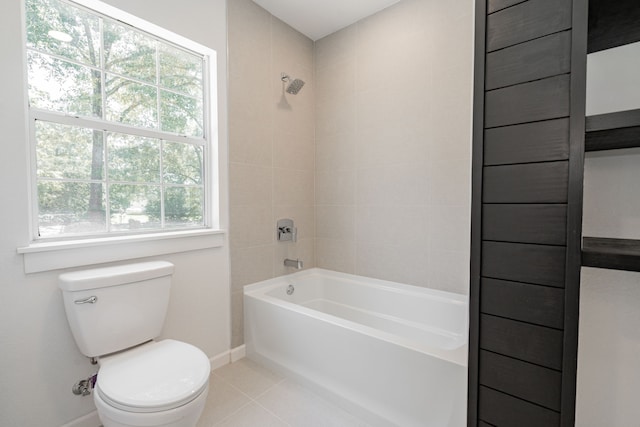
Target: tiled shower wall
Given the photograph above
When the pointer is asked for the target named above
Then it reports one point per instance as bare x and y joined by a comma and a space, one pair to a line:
371, 158
393, 144
271, 149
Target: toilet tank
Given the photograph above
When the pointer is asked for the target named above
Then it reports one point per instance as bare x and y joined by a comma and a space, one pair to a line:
113, 308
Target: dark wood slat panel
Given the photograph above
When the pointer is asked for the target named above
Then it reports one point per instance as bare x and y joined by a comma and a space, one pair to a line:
529, 183
530, 142
620, 119
615, 254
521, 379
505, 411
536, 264
528, 102
541, 305
527, 21
612, 24
530, 343
542, 224
496, 5
483, 424
537, 59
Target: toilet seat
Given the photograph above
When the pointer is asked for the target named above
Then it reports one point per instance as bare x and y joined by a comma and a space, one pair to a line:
154, 377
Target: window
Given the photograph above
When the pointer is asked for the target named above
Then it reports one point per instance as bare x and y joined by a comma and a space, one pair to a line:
120, 127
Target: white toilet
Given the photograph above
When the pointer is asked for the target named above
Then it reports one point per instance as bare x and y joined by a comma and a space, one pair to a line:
114, 314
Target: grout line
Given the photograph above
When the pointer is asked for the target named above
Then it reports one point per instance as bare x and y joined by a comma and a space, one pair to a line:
223, 420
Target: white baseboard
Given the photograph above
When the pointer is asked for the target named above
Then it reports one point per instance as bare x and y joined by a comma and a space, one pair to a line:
89, 420
227, 357
238, 353
219, 360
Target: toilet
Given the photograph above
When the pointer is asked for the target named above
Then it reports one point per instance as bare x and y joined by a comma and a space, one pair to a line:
114, 314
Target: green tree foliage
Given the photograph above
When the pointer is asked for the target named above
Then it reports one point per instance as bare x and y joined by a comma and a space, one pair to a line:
86, 65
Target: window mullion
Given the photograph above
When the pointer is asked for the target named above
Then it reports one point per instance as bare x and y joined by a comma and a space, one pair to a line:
91, 123
162, 185
103, 115
34, 201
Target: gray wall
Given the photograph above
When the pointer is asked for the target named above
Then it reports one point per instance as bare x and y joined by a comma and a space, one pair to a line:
608, 374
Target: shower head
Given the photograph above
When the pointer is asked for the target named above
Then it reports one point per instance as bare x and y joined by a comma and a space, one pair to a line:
294, 85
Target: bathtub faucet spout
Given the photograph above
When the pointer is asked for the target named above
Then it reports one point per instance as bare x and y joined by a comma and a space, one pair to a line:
295, 263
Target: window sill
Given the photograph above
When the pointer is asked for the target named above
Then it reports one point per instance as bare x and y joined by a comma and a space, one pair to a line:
75, 253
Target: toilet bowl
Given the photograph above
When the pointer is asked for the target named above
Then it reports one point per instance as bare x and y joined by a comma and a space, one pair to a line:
114, 314
161, 383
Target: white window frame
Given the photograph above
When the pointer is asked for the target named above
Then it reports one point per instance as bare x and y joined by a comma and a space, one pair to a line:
54, 253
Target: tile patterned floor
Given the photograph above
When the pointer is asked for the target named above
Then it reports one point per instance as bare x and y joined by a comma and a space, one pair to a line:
245, 394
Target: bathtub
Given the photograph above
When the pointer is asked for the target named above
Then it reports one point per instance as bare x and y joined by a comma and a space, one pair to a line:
392, 354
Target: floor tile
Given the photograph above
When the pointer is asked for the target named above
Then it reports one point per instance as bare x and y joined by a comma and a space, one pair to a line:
248, 377
252, 415
222, 401
299, 407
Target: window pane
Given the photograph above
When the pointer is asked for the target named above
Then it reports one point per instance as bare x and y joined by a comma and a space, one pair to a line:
133, 158
68, 152
134, 207
64, 30
129, 52
59, 85
70, 208
182, 163
183, 206
180, 71
132, 103
181, 114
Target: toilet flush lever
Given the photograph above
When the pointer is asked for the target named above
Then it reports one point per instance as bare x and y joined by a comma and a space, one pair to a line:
90, 300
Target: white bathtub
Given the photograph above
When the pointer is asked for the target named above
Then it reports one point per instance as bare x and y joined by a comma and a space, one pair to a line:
394, 354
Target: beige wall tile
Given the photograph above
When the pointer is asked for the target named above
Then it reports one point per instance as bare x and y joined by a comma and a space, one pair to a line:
449, 228
291, 49
252, 142
293, 114
336, 80
292, 151
393, 225
293, 187
237, 319
336, 222
272, 149
336, 187
250, 265
336, 254
450, 182
403, 264
412, 144
336, 116
398, 185
250, 185
392, 145
336, 47
336, 152
449, 271
251, 226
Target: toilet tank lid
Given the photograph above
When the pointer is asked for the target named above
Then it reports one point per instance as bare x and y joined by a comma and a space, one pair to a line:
113, 276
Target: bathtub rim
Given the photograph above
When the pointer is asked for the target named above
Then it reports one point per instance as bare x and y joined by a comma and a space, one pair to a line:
457, 355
